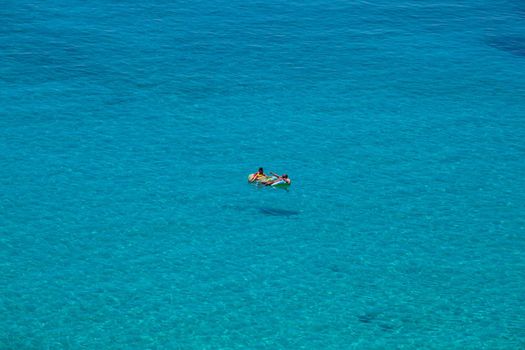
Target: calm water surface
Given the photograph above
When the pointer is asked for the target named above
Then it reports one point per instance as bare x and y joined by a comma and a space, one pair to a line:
127, 131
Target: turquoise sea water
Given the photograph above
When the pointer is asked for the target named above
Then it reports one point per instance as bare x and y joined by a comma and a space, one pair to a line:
127, 131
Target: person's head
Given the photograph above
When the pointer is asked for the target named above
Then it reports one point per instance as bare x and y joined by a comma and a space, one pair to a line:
260, 171
285, 176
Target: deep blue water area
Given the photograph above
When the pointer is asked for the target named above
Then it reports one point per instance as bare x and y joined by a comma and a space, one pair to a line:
127, 131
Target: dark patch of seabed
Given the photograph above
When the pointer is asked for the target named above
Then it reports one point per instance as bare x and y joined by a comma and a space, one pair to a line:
378, 319
508, 43
278, 212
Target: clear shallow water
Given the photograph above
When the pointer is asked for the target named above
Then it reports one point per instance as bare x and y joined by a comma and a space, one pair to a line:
127, 131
